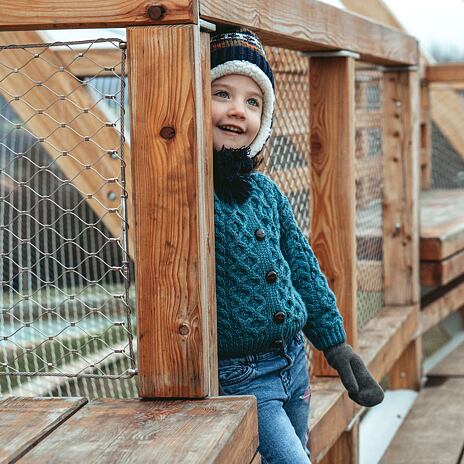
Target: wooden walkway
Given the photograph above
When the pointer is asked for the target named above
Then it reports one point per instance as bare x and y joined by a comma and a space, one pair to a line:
433, 431
56, 430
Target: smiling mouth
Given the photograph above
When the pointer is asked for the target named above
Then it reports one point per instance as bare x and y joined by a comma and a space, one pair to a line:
231, 129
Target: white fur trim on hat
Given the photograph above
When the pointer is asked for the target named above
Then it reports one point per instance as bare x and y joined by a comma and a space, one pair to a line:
251, 70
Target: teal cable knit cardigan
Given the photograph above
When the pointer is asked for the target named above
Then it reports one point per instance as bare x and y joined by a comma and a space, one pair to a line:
269, 285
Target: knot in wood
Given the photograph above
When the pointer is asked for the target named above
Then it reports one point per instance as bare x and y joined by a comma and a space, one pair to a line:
156, 12
184, 329
168, 132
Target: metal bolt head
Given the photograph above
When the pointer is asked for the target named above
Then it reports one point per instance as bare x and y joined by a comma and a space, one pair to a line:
156, 12
168, 132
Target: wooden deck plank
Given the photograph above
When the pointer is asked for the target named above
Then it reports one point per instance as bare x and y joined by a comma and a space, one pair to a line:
441, 303
437, 273
26, 421
451, 366
442, 224
217, 429
432, 432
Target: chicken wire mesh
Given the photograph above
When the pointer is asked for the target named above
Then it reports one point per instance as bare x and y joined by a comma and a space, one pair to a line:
369, 192
286, 155
447, 163
66, 317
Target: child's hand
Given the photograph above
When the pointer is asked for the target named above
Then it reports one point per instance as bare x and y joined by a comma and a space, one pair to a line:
362, 387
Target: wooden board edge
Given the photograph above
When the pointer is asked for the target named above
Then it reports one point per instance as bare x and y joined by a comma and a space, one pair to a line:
449, 299
248, 449
20, 452
383, 339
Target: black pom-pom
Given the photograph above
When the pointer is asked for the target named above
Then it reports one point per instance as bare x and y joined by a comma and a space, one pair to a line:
232, 168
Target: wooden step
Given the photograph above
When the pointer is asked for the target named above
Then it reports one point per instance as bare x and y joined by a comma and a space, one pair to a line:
438, 273
26, 421
214, 430
433, 431
442, 224
451, 366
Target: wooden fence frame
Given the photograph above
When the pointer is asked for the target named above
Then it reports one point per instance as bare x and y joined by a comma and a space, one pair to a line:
172, 183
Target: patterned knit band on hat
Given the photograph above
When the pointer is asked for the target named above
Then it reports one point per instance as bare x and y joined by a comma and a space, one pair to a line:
241, 52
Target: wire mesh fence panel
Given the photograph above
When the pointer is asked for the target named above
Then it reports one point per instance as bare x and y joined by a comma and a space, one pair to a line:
66, 316
369, 191
447, 159
286, 155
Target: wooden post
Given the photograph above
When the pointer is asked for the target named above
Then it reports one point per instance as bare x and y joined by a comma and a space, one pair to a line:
333, 234
401, 209
172, 182
425, 137
346, 449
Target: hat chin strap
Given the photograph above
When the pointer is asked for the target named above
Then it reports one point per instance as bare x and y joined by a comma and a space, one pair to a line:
254, 72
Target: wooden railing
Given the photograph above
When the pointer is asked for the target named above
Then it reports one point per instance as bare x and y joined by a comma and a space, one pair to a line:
172, 187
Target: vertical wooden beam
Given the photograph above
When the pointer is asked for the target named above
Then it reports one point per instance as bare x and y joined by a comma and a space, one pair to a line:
332, 116
172, 180
209, 215
346, 449
401, 209
425, 137
401, 188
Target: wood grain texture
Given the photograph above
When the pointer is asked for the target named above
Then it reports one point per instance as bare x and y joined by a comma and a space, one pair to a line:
331, 412
27, 421
432, 430
43, 111
401, 188
450, 298
445, 72
406, 373
209, 263
346, 449
333, 231
451, 366
219, 430
376, 9
442, 224
50, 14
174, 204
436, 273
384, 338
447, 109
311, 25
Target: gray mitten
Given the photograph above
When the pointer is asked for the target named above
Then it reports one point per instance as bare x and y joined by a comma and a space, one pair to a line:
362, 387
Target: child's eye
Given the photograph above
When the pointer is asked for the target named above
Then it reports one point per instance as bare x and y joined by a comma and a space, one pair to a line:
222, 93
253, 101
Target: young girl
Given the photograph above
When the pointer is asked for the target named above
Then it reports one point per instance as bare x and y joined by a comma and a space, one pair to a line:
270, 289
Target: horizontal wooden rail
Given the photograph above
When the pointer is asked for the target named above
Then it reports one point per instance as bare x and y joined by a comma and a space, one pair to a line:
445, 72
311, 25
50, 14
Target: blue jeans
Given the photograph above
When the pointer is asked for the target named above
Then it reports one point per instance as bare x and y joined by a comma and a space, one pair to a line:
279, 380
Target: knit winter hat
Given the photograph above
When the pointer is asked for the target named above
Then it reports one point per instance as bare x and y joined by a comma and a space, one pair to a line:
241, 52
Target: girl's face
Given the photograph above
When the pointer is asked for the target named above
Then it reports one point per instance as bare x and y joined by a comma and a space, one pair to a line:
237, 105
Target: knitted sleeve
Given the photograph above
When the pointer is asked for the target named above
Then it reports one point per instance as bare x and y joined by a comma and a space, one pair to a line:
324, 326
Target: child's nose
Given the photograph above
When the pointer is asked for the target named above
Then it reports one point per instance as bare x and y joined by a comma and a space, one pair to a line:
237, 109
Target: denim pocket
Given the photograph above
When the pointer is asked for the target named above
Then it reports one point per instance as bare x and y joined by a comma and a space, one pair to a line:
234, 374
